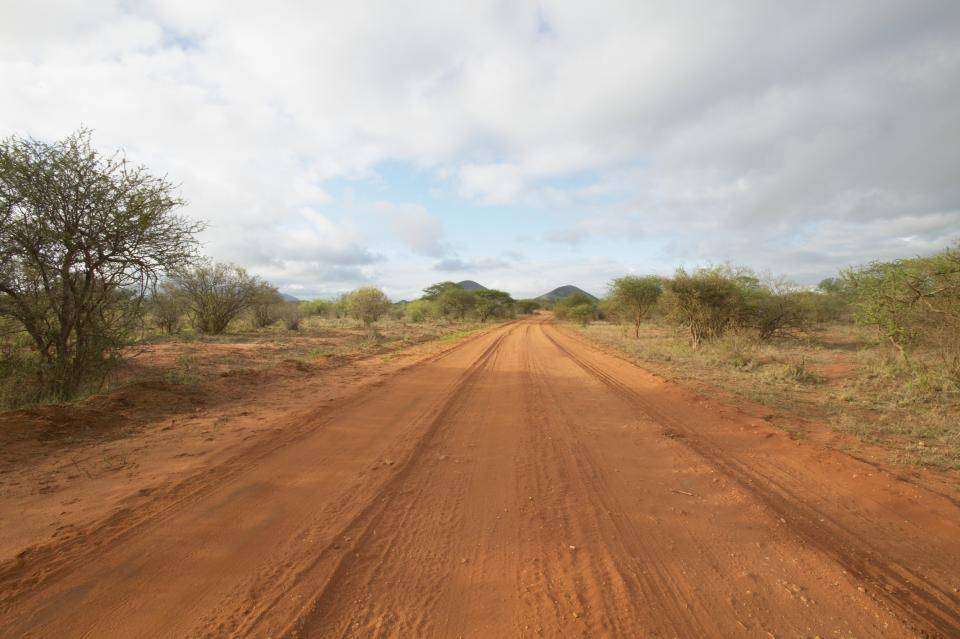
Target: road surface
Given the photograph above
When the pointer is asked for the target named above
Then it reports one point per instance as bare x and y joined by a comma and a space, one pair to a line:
520, 484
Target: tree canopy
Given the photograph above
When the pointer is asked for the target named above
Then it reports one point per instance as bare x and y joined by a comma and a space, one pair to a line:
83, 237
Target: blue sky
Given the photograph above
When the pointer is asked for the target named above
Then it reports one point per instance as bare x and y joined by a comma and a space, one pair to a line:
520, 144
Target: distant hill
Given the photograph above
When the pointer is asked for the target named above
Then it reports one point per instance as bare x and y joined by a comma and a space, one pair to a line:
470, 285
565, 291
289, 298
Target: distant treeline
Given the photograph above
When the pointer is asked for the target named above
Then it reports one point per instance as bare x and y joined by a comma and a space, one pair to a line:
444, 300
912, 303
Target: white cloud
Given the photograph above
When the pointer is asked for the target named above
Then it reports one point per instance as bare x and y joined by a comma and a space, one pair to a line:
413, 225
716, 129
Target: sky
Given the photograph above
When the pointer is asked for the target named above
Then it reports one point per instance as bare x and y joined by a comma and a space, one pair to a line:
524, 145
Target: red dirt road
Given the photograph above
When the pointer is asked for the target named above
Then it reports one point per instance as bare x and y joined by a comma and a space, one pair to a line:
521, 484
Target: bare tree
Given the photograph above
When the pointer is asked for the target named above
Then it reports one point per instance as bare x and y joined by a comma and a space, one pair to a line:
167, 306
83, 236
266, 306
217, 293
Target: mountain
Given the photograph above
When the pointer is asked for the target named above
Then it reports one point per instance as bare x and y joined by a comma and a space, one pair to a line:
565, 291
289, 298
470, 285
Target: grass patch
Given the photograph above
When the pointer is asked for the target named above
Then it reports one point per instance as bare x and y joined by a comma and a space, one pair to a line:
840, 376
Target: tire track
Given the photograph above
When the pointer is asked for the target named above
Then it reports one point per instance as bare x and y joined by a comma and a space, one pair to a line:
931, 609
360, 529
28, 574
622, 566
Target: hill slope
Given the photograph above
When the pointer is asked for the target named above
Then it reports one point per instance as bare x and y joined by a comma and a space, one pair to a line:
470, 285
289, 298
565, 291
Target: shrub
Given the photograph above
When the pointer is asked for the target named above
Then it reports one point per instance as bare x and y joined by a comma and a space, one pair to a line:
772, 314
576, 307
706, 302
291, 315
419, 310
323, 308
83, 238
217, 293
913, 302
367, 304
266, 307
527, 307
167, 307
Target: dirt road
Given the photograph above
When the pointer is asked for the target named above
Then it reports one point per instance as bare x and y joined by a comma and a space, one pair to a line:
521, 484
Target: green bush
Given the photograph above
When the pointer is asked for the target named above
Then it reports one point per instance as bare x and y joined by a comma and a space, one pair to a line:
912, 302
706, 302
322, 308
527, 307
420, 310
367, 304
492, 303
576, 307
632, 297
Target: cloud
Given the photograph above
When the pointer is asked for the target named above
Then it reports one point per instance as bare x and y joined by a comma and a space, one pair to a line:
457, 265
414, 227
821, 131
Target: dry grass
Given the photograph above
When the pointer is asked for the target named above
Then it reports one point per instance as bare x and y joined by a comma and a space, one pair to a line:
840, 376
189, 358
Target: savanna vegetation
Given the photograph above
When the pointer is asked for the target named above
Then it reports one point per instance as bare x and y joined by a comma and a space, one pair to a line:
97, 264
874, 350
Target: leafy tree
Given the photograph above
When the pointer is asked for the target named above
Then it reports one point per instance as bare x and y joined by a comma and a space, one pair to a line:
912, 301
420, 310
527, 307
434, 291
707, 302
577, 307
492, 303
833, 286
452, 301
774, 314
635, 296
367, 304
217, 293
83, 238
457, 302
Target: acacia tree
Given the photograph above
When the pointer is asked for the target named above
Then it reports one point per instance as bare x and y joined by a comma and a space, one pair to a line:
492, 303
707, 302
83, 237
217, 293
912, 301
635, 296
